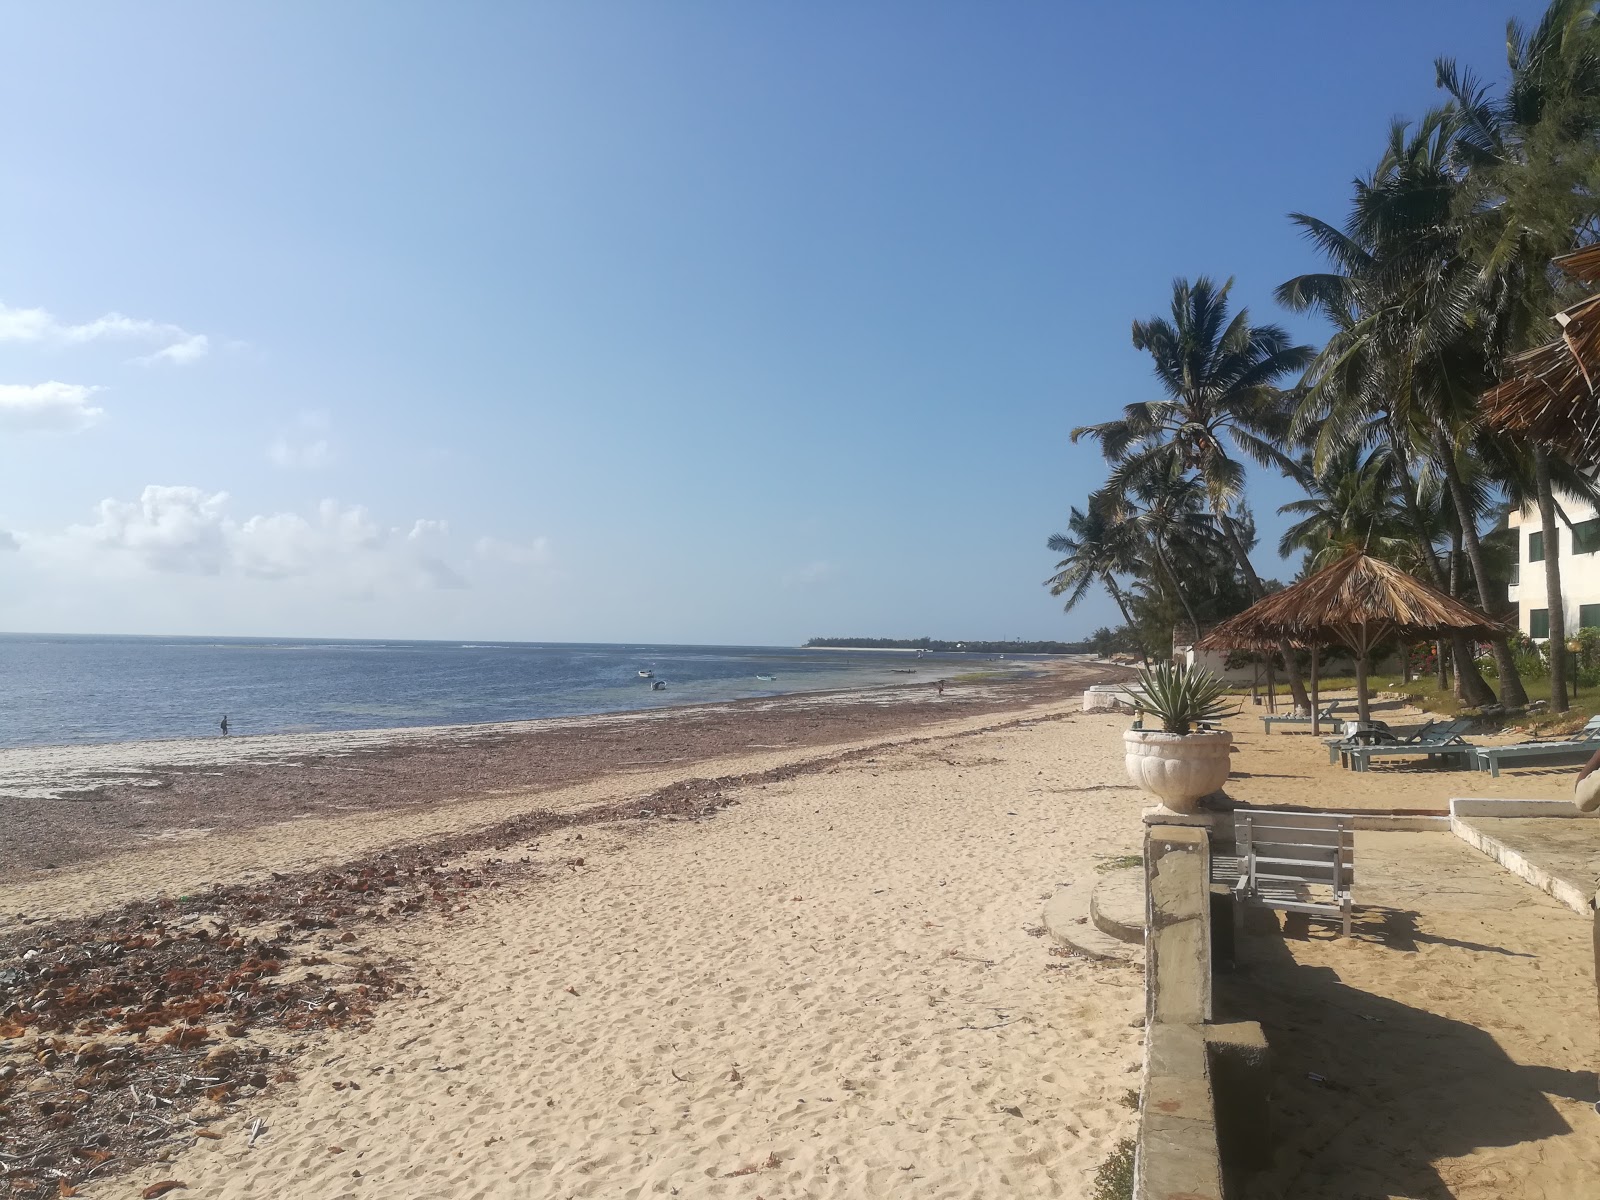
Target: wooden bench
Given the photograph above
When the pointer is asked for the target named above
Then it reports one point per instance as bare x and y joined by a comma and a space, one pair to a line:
1292, 862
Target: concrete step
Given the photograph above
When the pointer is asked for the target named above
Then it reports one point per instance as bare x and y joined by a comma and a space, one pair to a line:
1066, 920
1116, 906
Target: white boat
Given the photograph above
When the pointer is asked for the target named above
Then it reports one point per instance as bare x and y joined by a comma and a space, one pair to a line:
767, 678
647, 674
658, 686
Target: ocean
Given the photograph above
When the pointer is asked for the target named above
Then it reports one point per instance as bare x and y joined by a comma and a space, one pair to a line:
74, 690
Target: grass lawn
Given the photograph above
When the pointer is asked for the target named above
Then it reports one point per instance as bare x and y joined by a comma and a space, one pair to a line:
1425, 694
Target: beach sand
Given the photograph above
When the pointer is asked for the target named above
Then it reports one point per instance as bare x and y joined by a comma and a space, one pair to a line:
834, 987
830, 982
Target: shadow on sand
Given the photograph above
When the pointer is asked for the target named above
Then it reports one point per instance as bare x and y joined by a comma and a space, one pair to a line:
1369, 1092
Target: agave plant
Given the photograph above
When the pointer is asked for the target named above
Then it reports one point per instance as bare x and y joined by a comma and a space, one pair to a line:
1180, 698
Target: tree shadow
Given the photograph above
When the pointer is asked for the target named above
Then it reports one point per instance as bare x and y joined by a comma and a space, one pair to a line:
1369, 1092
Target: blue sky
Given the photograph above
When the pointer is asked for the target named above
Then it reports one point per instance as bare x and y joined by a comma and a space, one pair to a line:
688, 322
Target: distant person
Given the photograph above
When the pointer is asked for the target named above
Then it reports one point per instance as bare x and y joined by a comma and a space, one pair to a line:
941, 687
224, 724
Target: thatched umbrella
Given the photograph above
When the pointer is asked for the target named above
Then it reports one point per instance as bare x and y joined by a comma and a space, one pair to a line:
1359, 601
1549, 393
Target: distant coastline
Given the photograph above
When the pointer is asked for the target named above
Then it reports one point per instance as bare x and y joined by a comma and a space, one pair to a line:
938, 646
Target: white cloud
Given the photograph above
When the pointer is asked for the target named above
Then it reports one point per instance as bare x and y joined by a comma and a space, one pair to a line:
306, 456
811, 574
186, 350
189, 531
175, 344
534, 553
47, 406
301, 449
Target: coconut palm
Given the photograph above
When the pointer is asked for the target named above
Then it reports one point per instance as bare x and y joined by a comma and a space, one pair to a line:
1097, 547
1406, 355
1351, 503
1529, 164
1220, 376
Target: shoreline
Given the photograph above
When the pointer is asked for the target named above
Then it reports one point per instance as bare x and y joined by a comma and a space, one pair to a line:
584, 989
68, 807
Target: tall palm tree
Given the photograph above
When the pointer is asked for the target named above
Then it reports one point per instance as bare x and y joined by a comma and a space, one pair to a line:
1096, 548
1220, 377
1406, 354
1351, 502
1530, 162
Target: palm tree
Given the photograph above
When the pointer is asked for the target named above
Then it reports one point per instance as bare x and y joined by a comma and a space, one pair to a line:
1220, 377
1529, 161
1405, 355
1351, 502
1097, 548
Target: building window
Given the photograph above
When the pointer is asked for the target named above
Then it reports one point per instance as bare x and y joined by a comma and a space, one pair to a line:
1536, 547
1539, 623
1586, 537
1589, 616
1516, 574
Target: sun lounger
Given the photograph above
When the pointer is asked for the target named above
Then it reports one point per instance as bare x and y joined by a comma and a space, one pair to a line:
1439, 740
1292, 862
1325, 715
1577, 749
1378, 732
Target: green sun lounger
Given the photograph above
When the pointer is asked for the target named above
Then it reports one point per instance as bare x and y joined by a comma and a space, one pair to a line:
1325, 715
1439, 740
1556, 752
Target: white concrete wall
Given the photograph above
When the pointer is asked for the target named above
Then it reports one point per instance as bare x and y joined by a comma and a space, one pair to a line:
1580, 573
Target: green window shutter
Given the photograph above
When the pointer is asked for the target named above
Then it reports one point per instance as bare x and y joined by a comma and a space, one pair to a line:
1586, 537
1539, 623
1589, 616
1536, 547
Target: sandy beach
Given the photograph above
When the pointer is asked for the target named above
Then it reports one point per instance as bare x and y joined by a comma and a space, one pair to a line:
798, 971
828, 981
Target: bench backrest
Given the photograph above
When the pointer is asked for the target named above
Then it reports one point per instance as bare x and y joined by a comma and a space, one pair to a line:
1444, 731
1311, 848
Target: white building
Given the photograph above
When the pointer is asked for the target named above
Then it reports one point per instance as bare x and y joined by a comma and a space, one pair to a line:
1580, 569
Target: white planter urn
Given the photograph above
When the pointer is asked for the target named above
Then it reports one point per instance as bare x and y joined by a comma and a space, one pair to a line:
1179, 768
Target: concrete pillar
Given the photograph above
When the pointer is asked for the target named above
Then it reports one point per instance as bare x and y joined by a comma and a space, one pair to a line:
1177, 863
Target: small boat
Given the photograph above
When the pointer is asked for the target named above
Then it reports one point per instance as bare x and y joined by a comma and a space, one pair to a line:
647, 674
658, 686
766, 678
903, 671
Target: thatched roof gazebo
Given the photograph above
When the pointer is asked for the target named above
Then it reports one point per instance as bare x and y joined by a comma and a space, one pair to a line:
1549, 393
1358, 601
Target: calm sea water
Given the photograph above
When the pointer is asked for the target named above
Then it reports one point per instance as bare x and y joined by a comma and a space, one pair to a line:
57, 690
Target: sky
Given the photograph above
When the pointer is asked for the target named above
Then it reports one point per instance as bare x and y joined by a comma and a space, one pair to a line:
693, 322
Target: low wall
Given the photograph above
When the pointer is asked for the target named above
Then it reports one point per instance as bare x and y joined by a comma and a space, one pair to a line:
1203, 1107
1463, 810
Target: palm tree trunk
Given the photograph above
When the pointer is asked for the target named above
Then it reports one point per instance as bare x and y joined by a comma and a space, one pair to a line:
1512, 693
1470, 682
1122, 607
1554, 600
1291, 668
1177, 587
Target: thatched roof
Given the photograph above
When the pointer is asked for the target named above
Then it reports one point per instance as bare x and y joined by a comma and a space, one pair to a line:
1549, 393
1583, 265
1356, 600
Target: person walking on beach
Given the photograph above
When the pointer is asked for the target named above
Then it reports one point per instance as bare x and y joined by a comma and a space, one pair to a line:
941, 687
224, 724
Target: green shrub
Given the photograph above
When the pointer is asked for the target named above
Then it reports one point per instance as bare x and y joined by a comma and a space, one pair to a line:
1114, 1179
